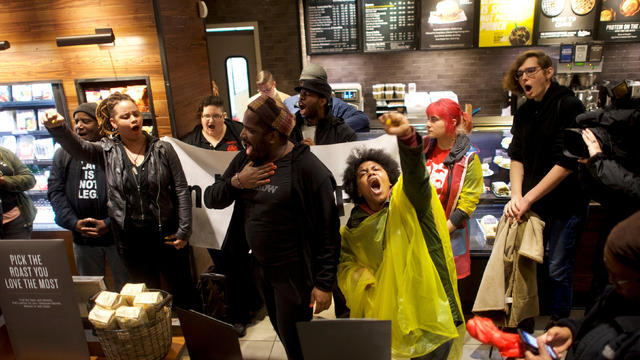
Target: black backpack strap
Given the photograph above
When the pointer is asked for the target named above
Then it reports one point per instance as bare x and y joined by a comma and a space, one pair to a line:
628, 328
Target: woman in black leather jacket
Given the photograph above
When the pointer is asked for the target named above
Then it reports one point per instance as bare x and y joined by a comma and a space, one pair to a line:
148, 195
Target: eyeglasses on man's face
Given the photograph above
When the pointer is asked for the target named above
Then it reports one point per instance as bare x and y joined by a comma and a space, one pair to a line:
530, 71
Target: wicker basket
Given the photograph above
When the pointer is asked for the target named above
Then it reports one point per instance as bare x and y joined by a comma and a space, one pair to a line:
149, 341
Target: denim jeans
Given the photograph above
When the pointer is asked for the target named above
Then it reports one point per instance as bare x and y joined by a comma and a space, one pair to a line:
561, 237
90, 261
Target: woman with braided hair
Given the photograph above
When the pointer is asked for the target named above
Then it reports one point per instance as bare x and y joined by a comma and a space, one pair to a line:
148, 198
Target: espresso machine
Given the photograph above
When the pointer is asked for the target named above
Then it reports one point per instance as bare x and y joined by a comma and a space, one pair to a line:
578, 68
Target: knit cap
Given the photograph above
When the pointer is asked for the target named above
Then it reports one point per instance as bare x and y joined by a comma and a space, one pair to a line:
273, 113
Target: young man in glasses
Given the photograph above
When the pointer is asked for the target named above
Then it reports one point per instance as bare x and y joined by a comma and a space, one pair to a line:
543, 180
215, 131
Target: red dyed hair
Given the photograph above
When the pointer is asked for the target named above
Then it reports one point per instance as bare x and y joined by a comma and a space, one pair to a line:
453, 116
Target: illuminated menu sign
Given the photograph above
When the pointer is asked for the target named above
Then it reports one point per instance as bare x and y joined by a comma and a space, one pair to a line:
619, 21
389, 25
447, 24
565, 21
331, 26
506, 23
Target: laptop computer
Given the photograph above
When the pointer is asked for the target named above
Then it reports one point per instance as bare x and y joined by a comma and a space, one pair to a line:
208, 338
345, 339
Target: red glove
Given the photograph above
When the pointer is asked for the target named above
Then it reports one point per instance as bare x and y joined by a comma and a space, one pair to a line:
486, 332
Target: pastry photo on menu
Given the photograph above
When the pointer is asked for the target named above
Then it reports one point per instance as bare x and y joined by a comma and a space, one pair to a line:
629, 8
582, 7
552, 8
447, 11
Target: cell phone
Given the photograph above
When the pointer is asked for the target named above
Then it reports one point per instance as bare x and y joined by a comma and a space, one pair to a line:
531, 344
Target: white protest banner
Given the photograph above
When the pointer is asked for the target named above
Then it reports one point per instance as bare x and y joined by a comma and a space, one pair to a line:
201, 166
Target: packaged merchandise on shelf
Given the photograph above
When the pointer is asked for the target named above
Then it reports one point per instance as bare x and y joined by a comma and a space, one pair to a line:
41, 181
45, 214
25, 147
119, 89
7, 120
26, 120
9, 142
21, 92
104, 93
5, 93
42, 91
44, 148
138, 94
93, 96
42, 117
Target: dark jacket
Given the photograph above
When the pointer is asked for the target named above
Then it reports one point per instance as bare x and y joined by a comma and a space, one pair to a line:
612, 177
21, 181
317, 221
170, 197
230, 141
538, 143
330, 130
63, 195
613, 322
355, 118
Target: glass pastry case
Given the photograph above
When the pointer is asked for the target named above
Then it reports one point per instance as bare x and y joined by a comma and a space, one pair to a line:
491, 136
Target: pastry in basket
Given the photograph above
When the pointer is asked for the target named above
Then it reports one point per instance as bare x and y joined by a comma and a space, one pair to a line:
103, 318
130, 290
109, 300
148, 301
501, 189
489, 225
130, 316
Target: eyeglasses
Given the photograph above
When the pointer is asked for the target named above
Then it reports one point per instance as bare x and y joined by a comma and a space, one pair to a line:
214, 116
530, 71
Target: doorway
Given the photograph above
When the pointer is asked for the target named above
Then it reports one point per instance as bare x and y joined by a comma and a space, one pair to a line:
234, 61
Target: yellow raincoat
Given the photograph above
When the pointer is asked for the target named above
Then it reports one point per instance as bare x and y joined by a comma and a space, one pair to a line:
386, 272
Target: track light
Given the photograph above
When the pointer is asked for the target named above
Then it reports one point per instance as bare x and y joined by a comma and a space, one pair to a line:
102, 36
4, 45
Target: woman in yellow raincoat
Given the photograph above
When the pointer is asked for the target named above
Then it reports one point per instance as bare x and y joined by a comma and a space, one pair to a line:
396, 261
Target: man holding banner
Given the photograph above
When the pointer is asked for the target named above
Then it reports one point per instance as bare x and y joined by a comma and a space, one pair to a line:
285, 213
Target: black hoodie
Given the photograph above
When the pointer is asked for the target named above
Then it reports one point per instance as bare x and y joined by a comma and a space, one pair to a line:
538, 141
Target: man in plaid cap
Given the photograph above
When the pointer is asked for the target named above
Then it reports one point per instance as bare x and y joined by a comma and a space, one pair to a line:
285, 213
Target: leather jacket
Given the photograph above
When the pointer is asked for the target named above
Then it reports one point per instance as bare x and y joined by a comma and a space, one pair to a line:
168, 187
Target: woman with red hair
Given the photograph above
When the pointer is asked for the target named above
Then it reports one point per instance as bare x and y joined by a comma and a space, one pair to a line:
455, 172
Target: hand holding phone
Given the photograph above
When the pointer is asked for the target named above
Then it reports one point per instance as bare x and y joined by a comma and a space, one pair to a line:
531, 344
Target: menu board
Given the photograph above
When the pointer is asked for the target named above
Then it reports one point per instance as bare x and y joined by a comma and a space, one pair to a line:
562, 21
619, 21
506, 23
389, 25
446, 24
331, 26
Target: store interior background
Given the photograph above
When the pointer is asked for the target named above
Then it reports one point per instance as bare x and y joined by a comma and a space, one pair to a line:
166, 40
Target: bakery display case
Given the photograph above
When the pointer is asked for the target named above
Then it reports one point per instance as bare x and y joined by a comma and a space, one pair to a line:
138, 87
491, 136
22, 108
